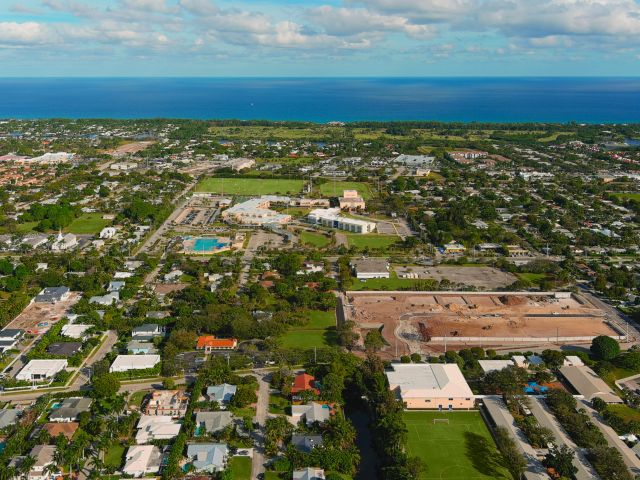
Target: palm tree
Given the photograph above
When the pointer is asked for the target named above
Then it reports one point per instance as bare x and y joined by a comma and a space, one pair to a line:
25, 466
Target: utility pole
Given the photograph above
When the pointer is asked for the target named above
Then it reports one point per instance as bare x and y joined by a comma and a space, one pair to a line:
315, 354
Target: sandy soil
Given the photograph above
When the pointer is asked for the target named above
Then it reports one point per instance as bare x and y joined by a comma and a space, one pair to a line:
466, 315
48, 313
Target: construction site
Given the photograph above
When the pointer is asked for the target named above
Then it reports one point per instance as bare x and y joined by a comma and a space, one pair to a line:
423, 322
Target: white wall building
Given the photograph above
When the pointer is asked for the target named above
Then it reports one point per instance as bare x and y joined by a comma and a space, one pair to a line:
124, 363
37, 370
330, 217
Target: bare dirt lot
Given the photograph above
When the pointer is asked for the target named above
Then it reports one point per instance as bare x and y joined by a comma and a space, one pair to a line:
483, 278
415, 321
129, 148
38, 317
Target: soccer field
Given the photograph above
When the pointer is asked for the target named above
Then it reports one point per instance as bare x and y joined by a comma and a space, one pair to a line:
335, 189
250, 186
463, 449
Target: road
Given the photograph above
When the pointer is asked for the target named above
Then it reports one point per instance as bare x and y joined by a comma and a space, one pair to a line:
262, 411
613, 314
258, 238
155, 236
547, 420
630, 459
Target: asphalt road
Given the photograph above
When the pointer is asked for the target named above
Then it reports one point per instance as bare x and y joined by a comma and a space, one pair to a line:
262, 410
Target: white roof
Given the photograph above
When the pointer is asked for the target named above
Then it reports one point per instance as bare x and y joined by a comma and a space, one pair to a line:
420, 380
41, 368
138, 458
75, 330
123, 363
573, 361
491, 365
156, 427
334, 214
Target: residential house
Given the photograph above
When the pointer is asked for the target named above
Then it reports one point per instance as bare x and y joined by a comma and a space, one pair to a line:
212, 422
115, 286
8, 417
107, 232
208, 457
75, 330
141, 460
156, 427
64, 349
64, 242
135, 347
311, 412
309, 473
304, 382
70, 409
221, 393
43, 456
147, 331
106, 300
37, 370
305, 442
53, 295
67, 429
167, 402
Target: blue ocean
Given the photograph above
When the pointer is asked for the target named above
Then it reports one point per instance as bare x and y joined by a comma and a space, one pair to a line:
584, 100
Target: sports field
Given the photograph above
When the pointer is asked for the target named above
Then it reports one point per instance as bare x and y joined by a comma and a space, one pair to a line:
250, 186
460, 450
329, 189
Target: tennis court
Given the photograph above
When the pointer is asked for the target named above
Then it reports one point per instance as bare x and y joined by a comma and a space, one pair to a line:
460, 449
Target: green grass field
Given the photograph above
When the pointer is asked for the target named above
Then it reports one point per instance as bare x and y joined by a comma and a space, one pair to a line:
319, 332
392, 283
314, 239
240, 468
87, 224
113, 456
371, 240
628, 196
250, 186
329, 190
532, 278
278, 404
460, 450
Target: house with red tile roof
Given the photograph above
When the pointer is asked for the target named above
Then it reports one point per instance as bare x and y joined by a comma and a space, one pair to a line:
304, 382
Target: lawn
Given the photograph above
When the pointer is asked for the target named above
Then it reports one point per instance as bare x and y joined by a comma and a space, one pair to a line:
463, 449
627, 413
335, 189
319, 332
87, 224
240, 468
628, 196
250, 186
136, 398
376, 241
26, 227
532, 278
113, 456
278, 404
316, 239
392, 283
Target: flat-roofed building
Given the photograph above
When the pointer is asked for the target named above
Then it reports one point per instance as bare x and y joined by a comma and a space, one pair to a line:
156, 427
588, 384
124, 363
365, 268
141, 460
37, 370
351, 200
493, 365
431, 386
330, 217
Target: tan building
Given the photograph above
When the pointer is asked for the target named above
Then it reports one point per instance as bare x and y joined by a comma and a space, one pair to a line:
431, 386
167, 402
351, 200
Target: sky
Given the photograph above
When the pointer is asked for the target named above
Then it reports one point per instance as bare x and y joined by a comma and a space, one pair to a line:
313, 38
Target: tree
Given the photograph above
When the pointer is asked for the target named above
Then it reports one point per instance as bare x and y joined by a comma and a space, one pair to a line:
106, 385
561, 460
346, 336
373, 341
553, 358
168, 383
514, 461
605, 348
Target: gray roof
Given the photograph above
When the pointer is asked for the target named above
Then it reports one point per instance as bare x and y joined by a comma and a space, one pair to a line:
221, 393
588, 384
309, 473
11, 333
312, 412
70, 408
52, 294
8, 417
370, 265
208, 456
306, 443
214, 421
65, 349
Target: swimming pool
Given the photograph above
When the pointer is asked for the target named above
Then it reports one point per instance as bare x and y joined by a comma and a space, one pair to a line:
207, 244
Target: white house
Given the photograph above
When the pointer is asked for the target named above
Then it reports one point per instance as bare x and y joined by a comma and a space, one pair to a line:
141, 460
37, 370
124, 363
156, 427
107, 232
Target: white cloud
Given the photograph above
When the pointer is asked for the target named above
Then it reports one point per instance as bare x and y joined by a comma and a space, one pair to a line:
25, 33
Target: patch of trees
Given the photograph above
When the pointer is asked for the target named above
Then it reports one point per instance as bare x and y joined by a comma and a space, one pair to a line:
50, 217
